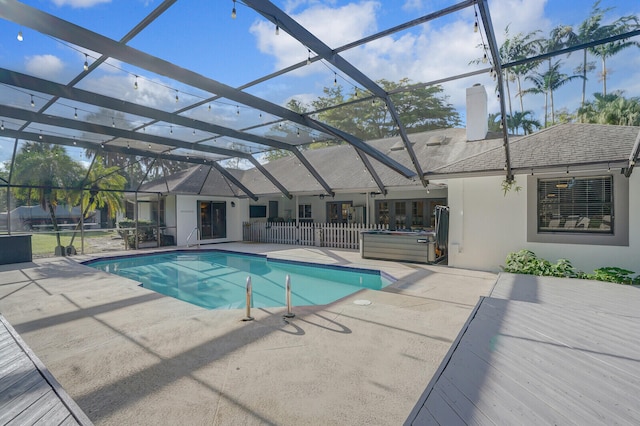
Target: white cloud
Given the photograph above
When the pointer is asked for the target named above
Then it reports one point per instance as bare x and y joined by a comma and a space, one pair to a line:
356, 21
79, 4
411, 5
45, 66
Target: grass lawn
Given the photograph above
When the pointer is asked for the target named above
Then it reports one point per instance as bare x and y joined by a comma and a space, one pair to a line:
45, 243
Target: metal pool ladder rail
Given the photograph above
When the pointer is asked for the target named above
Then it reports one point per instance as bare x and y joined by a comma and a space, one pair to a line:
191, 234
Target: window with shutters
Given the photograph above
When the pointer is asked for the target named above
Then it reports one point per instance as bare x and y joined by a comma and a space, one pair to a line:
576, 205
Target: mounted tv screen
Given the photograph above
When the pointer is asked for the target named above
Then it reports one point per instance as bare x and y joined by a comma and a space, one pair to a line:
257, 211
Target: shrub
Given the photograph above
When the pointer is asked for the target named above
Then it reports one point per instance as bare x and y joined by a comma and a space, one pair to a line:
526, 262
614, 275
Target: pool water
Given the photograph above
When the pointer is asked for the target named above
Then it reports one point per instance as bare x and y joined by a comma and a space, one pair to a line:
217, 279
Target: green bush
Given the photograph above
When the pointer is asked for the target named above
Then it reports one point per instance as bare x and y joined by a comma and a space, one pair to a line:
614, 275
526, 262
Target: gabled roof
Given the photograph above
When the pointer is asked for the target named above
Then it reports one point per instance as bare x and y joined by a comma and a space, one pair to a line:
340, 166
564, 145
443, 153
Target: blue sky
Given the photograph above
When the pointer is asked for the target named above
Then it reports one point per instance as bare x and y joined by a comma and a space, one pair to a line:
202, 36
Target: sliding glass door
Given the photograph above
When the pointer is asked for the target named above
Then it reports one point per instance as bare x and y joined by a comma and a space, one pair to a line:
212, 221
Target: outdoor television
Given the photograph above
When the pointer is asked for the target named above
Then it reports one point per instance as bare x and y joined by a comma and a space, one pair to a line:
257, 211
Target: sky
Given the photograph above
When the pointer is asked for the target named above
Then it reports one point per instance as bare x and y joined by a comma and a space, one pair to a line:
202, 36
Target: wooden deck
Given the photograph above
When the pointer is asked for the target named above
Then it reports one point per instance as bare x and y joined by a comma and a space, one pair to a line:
29, 394
541, 351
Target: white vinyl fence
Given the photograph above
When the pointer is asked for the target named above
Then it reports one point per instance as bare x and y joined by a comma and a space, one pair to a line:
335, 235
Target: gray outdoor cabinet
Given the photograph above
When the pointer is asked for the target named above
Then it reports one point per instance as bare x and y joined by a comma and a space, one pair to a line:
15, 249
399, 246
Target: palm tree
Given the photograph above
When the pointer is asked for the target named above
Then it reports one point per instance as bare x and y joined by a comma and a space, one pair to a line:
45, 171
519, 47
590, 29
548, 83
525, 121
604, 51
101, 189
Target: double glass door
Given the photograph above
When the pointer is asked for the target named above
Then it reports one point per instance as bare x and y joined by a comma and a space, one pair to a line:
212, 221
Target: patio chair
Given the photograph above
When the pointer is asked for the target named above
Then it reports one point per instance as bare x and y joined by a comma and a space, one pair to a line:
571, 222
583, 223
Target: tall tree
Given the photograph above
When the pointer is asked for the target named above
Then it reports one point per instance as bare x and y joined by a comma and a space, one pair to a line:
590, 29
420, 109
603, 51
47, 172
523, 120
547, 83
100, 190
518, 47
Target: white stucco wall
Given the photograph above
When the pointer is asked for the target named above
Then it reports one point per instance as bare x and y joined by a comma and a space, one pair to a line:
187, 211
486, 225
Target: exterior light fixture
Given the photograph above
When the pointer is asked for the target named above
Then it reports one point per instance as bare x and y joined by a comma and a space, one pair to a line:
20, 37
233, 11
86, 62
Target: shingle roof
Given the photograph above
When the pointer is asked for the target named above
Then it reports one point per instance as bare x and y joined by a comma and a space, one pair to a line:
442, 153
564, 145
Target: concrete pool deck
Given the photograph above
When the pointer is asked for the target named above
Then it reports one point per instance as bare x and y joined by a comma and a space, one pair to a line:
127, 355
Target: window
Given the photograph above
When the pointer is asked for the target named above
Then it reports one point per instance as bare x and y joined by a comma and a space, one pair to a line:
304, 211
580, 208
407, 214
338, 212
576, 204
257, 211
212, 221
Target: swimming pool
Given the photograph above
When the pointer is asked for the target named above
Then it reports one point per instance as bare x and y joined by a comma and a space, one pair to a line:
217, 279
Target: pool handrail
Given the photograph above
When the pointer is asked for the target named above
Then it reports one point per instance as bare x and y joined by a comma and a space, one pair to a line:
190, 234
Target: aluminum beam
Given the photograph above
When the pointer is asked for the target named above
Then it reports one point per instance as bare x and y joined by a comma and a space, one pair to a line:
633, 157
34, 117
54, 89
297, 31
57, 140
235, 181
269, 176
483, 8
55, 27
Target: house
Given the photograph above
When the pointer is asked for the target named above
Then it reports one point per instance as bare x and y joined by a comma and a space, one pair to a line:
572, 196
